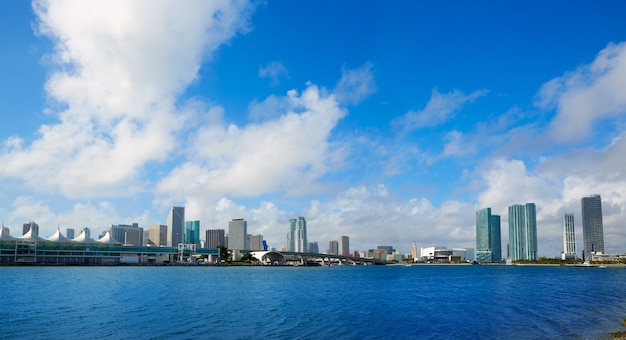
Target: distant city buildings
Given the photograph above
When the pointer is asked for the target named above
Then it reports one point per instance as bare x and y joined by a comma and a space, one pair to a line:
215, 238
192, 232
126, 234
296, 237
344, 245
313, 248
593, 233
523, 232
157, 235
488, 240
28, 226
333, 248
256, 242
569, 237
175, 226
69, 233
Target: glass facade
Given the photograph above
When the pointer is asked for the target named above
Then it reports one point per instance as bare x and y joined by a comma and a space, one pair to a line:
523, 232
593, 233
488, 241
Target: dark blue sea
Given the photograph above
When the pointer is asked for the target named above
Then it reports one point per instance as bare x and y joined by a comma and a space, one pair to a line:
342, 302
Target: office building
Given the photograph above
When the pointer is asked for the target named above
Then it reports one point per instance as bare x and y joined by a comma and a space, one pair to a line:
333, 248
157, 235
256, 242
30, 225
215, 238
192, 232
569, 238
523, 232
175, 226
237, 231
296, 238
313, 248
344, 245
488, 239
593, 233
70, 233
130, 235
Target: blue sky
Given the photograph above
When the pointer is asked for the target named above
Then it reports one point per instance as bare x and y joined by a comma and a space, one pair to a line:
387, 122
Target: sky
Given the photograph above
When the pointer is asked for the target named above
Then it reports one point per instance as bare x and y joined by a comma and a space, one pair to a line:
388, 122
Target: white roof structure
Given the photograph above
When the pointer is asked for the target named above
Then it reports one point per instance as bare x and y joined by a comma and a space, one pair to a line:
30, 236
83, 238
4, 236
107, 239
57, 237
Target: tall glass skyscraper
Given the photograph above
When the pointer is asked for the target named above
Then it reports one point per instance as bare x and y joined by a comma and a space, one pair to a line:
593, 233
488, 241
296, 238
569, 238
523, 232
192, 232
175, 226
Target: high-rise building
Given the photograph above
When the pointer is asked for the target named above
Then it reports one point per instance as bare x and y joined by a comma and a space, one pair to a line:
157, 235
192, 232
488, 240
237, 231
69, 233
414, 251
126, 234
296, 238
333, 248
215, 238
523, 232
344, 245
256, 242
593, 233
313, 248
30, 225
175, 226
569, 238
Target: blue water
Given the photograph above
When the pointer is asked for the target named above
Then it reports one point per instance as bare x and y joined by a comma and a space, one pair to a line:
392, 302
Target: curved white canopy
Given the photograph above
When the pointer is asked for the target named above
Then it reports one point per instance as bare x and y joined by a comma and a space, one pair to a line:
107, 239
4, 236
30, 236
57, 237
83, 238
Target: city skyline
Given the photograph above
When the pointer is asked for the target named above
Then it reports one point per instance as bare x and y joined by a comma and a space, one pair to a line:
390, 123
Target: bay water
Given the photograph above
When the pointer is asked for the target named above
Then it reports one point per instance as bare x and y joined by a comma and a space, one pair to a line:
340, 302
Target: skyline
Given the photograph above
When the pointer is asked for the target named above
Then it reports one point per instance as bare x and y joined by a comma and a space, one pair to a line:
390, 123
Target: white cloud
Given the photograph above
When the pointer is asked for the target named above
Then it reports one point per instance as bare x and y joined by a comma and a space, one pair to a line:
586, 95
355, 85
274, 71
440, 109
119, 67
287, 154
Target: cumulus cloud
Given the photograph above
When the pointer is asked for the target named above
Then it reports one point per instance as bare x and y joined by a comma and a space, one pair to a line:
286, 154
273, 71
588, 94
439, 109
118, 67
355, 85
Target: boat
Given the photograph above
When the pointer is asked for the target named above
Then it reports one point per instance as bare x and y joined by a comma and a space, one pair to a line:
585, 264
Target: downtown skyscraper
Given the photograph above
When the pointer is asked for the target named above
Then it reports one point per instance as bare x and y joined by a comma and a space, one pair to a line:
176, 226
488, 240
593, 233
523, 232
569, 237
296, 237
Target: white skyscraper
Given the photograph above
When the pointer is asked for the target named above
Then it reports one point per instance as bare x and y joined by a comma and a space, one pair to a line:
296, 238
569, 238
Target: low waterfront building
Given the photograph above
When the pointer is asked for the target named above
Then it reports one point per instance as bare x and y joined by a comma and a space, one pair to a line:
82, 250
